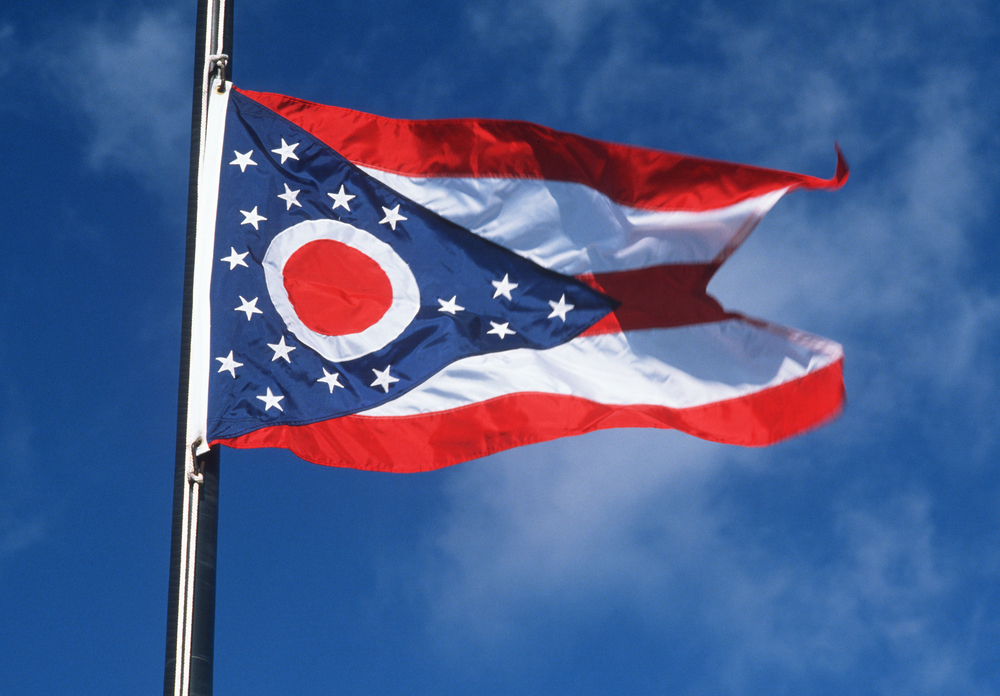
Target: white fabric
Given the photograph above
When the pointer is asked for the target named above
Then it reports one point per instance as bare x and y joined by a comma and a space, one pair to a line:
201, 311
574, 229
677, 367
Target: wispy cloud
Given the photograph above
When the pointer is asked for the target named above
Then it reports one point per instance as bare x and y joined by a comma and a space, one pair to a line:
569, 516
600, 533
22, 525
583, 528
131, 82
7, 43
126, 83
888, 272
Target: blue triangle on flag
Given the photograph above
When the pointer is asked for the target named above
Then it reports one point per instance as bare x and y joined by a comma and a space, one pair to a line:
447, 294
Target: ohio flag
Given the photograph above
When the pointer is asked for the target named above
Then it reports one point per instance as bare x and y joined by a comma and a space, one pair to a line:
404, 295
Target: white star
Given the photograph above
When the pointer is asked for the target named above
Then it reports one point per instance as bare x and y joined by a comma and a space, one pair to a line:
229, 365
330, 379
392, 217
289, 196
286, 151
270, 400
250, 217
500, 330
450, 306
340, 199
384, 379
281, 350
503, 287
243, 160
559, 308
235, 259
249, 307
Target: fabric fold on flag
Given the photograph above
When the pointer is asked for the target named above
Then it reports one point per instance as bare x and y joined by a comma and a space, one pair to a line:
551, 285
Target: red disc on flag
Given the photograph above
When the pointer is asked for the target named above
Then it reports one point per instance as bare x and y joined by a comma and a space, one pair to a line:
342, 291
336, 289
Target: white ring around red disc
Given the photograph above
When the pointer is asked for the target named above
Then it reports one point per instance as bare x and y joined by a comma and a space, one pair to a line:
405, 293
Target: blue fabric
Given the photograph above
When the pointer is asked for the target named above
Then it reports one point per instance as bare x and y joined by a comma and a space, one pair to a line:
445, 259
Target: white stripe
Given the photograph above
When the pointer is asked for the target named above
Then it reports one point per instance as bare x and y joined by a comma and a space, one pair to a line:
201, 315
574, 229
678, 367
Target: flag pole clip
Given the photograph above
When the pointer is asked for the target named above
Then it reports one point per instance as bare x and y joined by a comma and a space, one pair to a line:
195, 474
216, 65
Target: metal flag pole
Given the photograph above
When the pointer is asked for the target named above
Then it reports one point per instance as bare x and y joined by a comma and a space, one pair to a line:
191, 594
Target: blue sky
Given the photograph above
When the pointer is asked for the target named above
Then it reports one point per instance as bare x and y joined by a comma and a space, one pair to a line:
861, 558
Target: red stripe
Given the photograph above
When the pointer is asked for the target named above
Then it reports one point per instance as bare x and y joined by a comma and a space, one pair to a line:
632, 176
434, 440
658, 297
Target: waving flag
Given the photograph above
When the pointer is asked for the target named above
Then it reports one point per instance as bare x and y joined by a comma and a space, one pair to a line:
405, 295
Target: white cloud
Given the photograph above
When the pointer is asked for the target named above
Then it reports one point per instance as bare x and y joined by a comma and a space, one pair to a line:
18, 535
132, 83
882, 265
598, 530
8, 47
532, 522
21, 524
887, 272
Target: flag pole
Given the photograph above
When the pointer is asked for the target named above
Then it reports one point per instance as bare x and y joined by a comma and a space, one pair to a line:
191, 593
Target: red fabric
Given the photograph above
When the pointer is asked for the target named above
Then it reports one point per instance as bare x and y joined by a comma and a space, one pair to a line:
336, 289
468, 147
659, 297
664, 296
430, 441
